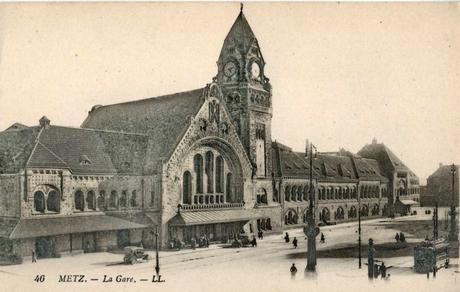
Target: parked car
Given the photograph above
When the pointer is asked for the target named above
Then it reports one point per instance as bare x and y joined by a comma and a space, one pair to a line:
135, 254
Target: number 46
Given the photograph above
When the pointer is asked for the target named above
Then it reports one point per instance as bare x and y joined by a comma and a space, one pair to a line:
39, 278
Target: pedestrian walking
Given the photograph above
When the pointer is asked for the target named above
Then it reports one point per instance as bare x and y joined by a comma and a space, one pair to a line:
383, 270
294, 242
193, 243
293, 271
261, 234
254, 241
286, 237
323, 239
402, 238
34, 256
397, 237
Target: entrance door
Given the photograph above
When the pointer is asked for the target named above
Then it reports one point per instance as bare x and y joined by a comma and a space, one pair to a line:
89, 242
123, 238
45, 247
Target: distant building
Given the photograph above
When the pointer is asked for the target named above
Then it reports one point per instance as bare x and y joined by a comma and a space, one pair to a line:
194, 163
439, 187
404, 185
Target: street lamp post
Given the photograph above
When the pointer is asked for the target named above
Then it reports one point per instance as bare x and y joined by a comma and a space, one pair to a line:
311, 230
453, 236
157, 265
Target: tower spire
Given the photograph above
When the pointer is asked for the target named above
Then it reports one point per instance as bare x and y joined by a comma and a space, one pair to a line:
241, 7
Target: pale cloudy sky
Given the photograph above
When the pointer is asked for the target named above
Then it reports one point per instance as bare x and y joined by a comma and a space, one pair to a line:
341, 73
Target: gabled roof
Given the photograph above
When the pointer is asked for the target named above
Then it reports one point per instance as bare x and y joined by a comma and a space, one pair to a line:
164, 119
388, 161
105, 152
16, 126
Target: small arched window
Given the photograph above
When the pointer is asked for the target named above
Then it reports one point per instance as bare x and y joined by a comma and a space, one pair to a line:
187, 188
39, 202
287, 193
133, 200
294, 193
79, 201
91, 200
124, 199
262, 196
113, 201
101, 201
53, 203
198, 167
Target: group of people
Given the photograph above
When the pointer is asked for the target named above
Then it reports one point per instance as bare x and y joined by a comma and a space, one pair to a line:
381, 271
400, 237
295, 241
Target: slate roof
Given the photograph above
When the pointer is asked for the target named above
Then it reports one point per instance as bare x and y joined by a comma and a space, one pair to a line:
28, 228
240, 35
388, 161
63, 147
326, 167
164, 119
15, 148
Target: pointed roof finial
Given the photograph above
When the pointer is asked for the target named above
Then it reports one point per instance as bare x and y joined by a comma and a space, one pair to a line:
241, 7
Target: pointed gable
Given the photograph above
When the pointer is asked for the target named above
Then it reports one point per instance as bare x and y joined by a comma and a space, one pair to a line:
43, 157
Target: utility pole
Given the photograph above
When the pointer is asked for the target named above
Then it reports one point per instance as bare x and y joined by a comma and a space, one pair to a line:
359, 225
435, 221
453, 236
311, 231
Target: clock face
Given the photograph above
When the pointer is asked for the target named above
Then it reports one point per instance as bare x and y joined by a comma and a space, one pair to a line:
230, 69
255, 70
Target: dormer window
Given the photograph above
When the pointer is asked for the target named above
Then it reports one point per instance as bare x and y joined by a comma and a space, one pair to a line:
84, 160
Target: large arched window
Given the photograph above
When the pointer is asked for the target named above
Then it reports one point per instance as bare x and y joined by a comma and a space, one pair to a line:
39, 202
113, 201
352, 212
53, 203
187, 188
91, 200
101, 200
79, 201
219, 174
325, 215
209, 168
339, 213
198, 167
229, 187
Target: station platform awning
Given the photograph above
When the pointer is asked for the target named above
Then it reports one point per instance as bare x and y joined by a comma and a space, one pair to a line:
38, 227
189, 218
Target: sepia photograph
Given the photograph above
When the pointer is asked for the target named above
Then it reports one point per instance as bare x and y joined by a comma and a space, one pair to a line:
222, 146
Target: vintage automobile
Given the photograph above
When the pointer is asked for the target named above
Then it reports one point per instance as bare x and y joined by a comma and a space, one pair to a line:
134, 254
243, 240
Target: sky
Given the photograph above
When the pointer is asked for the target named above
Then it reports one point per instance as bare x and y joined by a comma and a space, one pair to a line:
342, 73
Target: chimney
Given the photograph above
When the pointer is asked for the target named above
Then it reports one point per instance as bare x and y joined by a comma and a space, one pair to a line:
44, 122
374, 141
440, 164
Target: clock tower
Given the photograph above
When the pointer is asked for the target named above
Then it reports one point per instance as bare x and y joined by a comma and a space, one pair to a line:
247, 93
